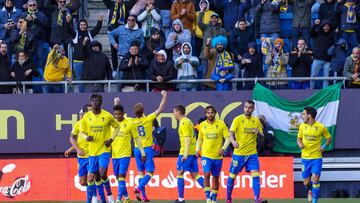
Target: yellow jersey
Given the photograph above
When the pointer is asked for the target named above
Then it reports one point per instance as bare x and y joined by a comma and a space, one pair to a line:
98, 126
213, 135
244, 134
81, 139
311, 136
121, 146
143, 127
186, 129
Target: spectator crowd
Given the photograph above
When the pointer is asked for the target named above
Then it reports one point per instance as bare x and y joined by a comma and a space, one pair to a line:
162, 40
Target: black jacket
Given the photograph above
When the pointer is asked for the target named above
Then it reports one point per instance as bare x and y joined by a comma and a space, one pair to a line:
165, 70
322, 41
96, 64
5, 67
111, 5
80, 35
239, 40
20, 70
253, 69
30, 43
133, 72
151, 45
327, 12
37, 26
301, 66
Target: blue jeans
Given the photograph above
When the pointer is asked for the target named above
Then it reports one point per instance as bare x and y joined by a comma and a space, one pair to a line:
300, 32
274, 36
316, 67
53, 89
300, 85
194, 89
351, 39
78, 70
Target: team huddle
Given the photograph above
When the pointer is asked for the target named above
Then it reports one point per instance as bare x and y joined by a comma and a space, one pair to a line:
99, 135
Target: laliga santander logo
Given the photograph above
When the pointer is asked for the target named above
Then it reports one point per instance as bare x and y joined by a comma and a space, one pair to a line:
169, 181
20, 186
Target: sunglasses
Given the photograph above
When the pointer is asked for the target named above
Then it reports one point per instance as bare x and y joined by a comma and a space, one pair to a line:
31, 5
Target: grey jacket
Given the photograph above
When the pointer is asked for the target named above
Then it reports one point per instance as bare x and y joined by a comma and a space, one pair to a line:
349, 67
175, 44
269, 17
301, 13
186, 70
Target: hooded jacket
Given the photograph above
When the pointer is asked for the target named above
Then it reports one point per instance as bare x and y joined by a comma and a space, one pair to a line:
96, 64
125, 36
79, 36
322, 41
269, 17
255, 68
301, 66
338, 55
209, 31
181, 37
187, 19
239, 40
205, 19
186, 70
165, 70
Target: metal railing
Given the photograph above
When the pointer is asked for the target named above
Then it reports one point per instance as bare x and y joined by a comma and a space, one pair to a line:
148, 82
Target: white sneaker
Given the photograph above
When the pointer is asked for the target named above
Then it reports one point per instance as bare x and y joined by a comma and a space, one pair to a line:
94, 199
309, 197
111, 199
208, 200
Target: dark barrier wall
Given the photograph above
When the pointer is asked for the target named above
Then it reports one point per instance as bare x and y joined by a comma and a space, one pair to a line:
42, 123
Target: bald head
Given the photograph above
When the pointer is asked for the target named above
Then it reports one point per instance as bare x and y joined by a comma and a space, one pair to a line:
356, 53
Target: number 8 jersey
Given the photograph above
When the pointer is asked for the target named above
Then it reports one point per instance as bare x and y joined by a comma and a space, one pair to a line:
143, 127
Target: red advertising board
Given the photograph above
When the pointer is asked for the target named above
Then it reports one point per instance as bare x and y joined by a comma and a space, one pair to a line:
56, 179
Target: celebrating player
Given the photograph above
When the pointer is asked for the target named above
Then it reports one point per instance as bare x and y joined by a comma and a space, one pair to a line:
212, 133
79, 143
309, 140
121, 150
142, 125
243, 133
187, 160
97, 126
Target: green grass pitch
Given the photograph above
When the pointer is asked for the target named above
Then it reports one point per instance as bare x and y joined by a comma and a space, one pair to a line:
323, 200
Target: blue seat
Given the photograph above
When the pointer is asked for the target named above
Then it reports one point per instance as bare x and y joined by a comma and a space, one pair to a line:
286, 25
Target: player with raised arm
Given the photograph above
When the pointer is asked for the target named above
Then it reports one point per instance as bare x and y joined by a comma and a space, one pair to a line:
212, 142
243, 134
187, 160
310, 136
96, 125
142, 125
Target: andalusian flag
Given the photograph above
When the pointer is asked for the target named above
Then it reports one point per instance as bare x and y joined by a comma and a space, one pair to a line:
285, 116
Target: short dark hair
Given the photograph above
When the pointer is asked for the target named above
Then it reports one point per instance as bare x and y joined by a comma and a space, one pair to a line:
180, 108
85, 108
250, 102
311, 110
301, 38
118, 107
242, 20
210, 107
95, 96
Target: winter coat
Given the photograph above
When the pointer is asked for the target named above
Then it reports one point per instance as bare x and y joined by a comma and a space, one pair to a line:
37, 26
322, 41
222, 86
134, 72
30, 43
301, 66
111, 6
283, 61
125, 36
186, 70
163, 4
239, 40
255, 68
62, 33
78, 38
269, 17
326, 11
165, 70
151, 45
183, 36
5, 67
232, 11
349, 67
96, 64
209, 31
187, 19
342, 9
153, 17
205, 19
301, 13
15, 15
20, 70
338, 55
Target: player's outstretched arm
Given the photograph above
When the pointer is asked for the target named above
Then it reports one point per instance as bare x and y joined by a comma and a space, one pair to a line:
73, 141
162, 103
233, 140
116, 101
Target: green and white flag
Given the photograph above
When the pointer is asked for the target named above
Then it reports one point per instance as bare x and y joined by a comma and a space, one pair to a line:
285, 116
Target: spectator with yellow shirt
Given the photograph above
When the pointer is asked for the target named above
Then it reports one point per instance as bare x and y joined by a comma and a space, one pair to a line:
57, 66
212, 141
310, 136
